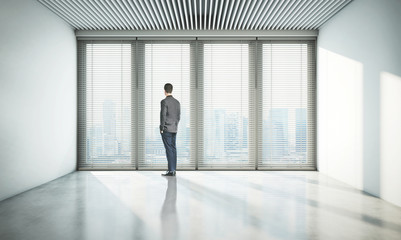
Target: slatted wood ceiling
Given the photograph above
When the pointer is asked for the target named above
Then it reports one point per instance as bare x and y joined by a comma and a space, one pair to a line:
195, 14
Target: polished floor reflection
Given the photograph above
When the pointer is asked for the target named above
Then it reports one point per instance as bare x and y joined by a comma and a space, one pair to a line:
197, 205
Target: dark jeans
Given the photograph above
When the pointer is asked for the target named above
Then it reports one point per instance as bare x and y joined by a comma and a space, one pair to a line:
171, 150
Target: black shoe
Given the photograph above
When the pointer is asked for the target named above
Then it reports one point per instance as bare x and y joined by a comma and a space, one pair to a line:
168, 173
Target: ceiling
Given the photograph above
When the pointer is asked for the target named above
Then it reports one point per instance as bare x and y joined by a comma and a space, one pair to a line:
195, 14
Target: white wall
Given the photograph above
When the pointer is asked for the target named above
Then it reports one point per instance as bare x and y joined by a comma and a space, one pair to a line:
359, 97
37, 96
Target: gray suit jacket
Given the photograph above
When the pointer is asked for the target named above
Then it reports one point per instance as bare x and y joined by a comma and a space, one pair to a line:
170, 112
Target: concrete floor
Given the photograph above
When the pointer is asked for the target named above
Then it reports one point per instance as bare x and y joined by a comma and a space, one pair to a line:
197, 205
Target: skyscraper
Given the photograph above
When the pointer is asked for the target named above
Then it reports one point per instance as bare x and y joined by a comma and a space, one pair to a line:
109, 128
300, 131
275, 135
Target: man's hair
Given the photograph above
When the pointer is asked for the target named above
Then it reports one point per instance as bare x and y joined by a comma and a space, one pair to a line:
168, 88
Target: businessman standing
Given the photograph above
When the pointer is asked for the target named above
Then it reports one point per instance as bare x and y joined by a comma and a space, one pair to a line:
170, 112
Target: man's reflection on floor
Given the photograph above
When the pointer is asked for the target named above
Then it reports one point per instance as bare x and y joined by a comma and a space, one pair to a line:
169, 220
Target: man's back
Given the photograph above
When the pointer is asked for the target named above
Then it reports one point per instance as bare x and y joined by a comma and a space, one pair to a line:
170, 114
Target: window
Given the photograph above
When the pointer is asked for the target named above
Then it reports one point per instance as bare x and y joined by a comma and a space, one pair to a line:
164, 63
244, 104
105, 106
287, 105
225, 84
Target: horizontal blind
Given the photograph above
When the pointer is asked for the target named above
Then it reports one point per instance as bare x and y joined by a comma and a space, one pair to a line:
161, 63
226, 78
287, 105
231, 119
105, 106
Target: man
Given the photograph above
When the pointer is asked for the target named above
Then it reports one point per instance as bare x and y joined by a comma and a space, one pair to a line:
169, 117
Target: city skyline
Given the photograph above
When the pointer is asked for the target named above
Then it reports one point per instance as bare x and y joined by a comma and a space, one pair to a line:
226, 140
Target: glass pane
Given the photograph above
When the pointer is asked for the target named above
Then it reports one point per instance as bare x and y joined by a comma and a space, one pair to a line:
226, 80
166, 63
108, 103
284, 104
